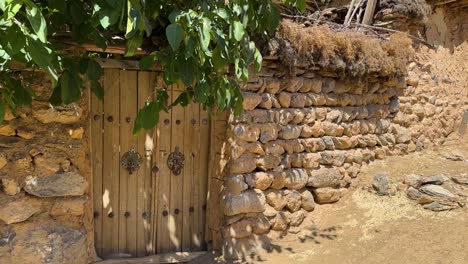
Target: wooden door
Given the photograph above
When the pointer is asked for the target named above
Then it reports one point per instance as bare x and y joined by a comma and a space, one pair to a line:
153, 209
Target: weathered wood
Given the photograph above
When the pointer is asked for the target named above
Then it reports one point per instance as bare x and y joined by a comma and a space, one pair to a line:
96, 120
369, 13
128, 182
146, 144
197, 210
189, 122
204, 158
178, 257
163, 203
176, 206
124, 64
111, 163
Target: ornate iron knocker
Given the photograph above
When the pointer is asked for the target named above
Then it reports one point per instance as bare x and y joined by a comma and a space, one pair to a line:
175, 161
131, 161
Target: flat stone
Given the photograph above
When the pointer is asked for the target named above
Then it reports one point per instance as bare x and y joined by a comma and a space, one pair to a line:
235, 184
438, 179
437, 207
77, 133
260, 225
413, 193
413, 180
280, 222
276, 199
437, 191
251, 100
326, 195
66, 115
249, 201
294, 200
381, 183
324, 177
15, 210
239, 229
259, 180
10, 186
61, 184
307, 201
42, 244
295, 179
3, 162
75, 207
296, 218
7, 130
460, 179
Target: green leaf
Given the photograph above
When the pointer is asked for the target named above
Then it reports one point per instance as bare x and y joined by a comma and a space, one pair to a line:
133, 44
21, 95
14, 40
94, 70
301, 5
97, 89
238, 30
186, 70
2, 110
174, 33
39, 53
11, 8
37, 22
205, 33
219, 62
201, 91
147, 62
70, 84
258, 59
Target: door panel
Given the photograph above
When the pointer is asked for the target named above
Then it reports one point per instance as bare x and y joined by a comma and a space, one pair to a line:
152, 210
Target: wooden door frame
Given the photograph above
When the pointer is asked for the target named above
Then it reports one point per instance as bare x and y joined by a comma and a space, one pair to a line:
213, 211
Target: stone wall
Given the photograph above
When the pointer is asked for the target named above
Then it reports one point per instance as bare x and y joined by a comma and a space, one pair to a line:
302, 139
44, 175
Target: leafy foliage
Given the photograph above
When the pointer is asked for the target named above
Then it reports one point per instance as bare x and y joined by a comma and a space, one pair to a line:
205, 44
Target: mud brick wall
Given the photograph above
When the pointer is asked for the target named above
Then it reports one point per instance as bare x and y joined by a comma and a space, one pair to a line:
44, 182
300, 143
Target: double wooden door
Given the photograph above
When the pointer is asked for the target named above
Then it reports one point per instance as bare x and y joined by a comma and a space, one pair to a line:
159, 206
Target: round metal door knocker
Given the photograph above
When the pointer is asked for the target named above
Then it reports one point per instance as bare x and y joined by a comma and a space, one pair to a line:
131, 161
175, 161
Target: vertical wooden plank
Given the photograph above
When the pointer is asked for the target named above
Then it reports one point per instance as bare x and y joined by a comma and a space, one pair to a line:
161, 235
111, 166
197, 210
128, 182
204, 158
146, 149
96, 119
177, 144
189, 122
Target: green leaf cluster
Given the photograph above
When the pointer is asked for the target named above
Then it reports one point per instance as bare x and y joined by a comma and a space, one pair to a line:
205, 44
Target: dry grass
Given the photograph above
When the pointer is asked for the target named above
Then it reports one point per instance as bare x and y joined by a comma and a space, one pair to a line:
346, 52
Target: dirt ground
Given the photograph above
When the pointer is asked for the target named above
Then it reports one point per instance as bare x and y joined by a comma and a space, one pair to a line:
365, 228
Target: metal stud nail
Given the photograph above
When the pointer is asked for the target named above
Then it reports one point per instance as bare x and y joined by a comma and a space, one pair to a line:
127, 214
111, 215
165, 213
176, 211
155, 169
110, 118
97, 117
191, 209
166, 121
128, 119
96, 214
177, 122
145, 215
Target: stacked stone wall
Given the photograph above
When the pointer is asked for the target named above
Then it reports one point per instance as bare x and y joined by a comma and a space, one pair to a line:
301, 142
44, 176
